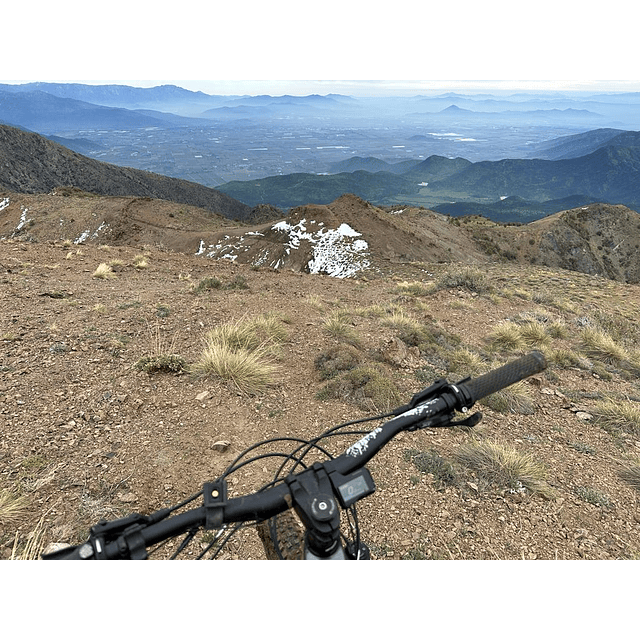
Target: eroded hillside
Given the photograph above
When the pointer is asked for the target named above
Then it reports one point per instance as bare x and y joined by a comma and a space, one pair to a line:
347, 237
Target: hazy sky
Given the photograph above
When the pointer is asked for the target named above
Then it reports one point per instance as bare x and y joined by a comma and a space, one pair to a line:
358, 87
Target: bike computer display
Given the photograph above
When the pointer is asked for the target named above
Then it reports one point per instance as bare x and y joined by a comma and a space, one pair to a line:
353, 487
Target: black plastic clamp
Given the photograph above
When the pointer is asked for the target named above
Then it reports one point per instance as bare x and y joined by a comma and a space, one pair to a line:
215, 498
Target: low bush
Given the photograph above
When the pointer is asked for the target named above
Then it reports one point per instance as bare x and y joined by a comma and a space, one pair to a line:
336, 360
504, 467
367, 386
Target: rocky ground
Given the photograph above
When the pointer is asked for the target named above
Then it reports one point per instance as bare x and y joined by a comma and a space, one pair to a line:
86, 435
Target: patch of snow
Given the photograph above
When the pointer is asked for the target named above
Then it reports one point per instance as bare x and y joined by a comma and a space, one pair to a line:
102, 227
336, 256
340, 252
4, 203
23, 220
82, 237
346, 230
503, 197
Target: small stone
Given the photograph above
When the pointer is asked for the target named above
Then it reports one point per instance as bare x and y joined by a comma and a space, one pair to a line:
583, 415
128, 497
201, 396
221, 445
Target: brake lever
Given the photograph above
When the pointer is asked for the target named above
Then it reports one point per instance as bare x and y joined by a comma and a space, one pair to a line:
438, 388
423, 396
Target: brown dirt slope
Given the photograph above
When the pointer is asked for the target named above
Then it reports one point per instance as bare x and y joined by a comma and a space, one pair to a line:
87, 435
598, 240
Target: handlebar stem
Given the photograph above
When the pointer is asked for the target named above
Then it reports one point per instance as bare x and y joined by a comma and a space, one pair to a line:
315, 504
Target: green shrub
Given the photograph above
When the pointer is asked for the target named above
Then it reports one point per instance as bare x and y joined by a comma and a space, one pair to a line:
161, 363
367, 386
432, 462
337, 359
593, 496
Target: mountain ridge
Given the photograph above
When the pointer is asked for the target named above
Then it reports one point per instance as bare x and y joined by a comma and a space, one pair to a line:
33, 164
349, 237
609, 173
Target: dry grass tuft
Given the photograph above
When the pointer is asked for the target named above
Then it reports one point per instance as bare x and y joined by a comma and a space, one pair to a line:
103, 272
631, 475
34, 545
414, 288
563, 358
558, 329
250, 333
622, 415
399, 319
513, 399
12, 507
367, 386
504, 467
251, 372
338, 326
601, 346
242, 352
465, 362
534, 334
314, 302
140, 262
469, 278
506, 337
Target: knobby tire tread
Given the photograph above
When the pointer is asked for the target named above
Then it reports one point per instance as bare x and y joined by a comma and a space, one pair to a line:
282, 537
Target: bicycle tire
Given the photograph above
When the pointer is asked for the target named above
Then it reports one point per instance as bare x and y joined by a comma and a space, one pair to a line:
282, 537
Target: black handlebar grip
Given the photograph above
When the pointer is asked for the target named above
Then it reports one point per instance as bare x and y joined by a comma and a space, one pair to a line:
510, 373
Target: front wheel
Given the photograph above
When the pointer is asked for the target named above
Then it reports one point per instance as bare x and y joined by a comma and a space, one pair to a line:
282, 536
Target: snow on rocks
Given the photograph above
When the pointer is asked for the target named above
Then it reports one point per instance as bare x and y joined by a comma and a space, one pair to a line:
85, 235
309, 245
22, 223
338, 256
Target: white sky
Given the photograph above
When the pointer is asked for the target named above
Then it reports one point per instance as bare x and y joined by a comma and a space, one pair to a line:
372, 87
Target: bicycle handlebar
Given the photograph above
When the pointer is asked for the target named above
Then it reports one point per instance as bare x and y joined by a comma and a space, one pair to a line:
506, 375
433, 407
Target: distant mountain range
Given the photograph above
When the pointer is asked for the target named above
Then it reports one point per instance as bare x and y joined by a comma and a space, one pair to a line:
609, 171
600, 165
47, 113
